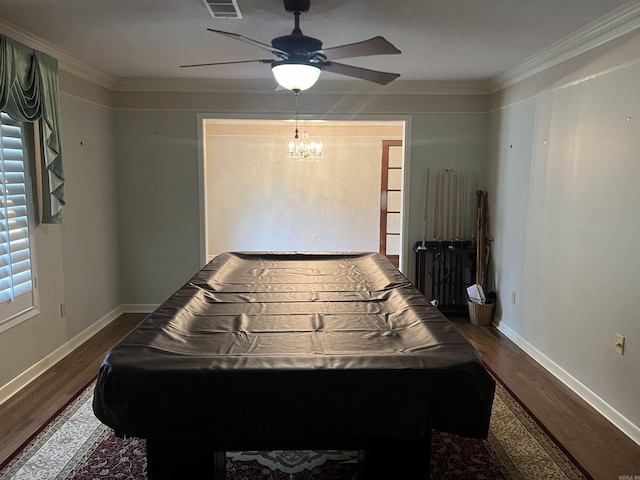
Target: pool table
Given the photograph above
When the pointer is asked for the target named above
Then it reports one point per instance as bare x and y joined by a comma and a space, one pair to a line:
268, 351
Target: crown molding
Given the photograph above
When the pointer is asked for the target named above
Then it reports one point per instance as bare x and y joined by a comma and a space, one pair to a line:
613, 25
323, 87
195, 85
65, 61
405, 87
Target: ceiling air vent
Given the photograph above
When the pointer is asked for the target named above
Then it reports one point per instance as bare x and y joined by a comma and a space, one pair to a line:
223, 8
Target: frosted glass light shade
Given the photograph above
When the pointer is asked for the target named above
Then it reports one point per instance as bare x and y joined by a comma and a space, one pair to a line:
295, 76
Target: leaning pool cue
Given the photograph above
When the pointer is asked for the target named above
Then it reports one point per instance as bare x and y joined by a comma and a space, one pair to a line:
436, 210
426, 210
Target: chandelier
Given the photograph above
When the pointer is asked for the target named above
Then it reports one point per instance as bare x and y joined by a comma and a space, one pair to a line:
304, 150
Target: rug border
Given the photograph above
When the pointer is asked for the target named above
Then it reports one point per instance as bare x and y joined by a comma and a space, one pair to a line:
42, 427
542, 426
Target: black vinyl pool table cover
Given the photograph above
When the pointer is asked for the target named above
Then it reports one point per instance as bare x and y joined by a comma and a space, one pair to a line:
270, 347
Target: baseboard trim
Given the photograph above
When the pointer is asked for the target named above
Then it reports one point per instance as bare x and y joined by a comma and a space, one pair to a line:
607, 411
138, 308
22, 380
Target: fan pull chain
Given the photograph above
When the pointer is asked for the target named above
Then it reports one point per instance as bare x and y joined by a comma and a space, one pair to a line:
296, 135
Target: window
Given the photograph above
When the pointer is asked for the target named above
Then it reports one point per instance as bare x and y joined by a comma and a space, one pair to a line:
18, 299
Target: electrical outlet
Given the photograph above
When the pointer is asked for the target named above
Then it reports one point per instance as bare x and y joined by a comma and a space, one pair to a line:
513, 298
620, 344
63, 310
315, 239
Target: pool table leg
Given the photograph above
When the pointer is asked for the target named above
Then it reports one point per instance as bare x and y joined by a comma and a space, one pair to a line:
220, 465
406, 459
174, 459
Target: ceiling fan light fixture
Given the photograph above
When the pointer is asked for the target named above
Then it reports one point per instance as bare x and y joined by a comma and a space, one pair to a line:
295, 76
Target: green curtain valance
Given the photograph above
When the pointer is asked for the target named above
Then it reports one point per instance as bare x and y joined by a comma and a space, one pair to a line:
29, 92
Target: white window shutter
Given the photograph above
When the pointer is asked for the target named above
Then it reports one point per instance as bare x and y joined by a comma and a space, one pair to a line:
16, 283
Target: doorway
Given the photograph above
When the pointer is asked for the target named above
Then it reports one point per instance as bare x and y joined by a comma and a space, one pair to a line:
257, 199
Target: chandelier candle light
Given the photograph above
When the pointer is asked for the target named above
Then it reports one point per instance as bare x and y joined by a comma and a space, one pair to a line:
303, 150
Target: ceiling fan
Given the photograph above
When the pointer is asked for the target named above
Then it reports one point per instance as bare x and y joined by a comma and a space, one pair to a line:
301, 59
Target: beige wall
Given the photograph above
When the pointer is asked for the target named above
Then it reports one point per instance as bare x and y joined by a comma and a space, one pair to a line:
563, 164
90, 248
77, 262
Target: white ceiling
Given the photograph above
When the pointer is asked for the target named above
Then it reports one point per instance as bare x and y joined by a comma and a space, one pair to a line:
440, 40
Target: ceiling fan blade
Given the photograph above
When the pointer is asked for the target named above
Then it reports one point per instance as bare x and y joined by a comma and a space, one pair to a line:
375, 76
373, 46
250, 41
226, 63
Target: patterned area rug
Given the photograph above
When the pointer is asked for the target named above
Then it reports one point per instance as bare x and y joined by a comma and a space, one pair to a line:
76, 446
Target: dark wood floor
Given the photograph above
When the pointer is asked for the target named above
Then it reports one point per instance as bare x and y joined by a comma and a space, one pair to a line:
599, 447
602, 450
